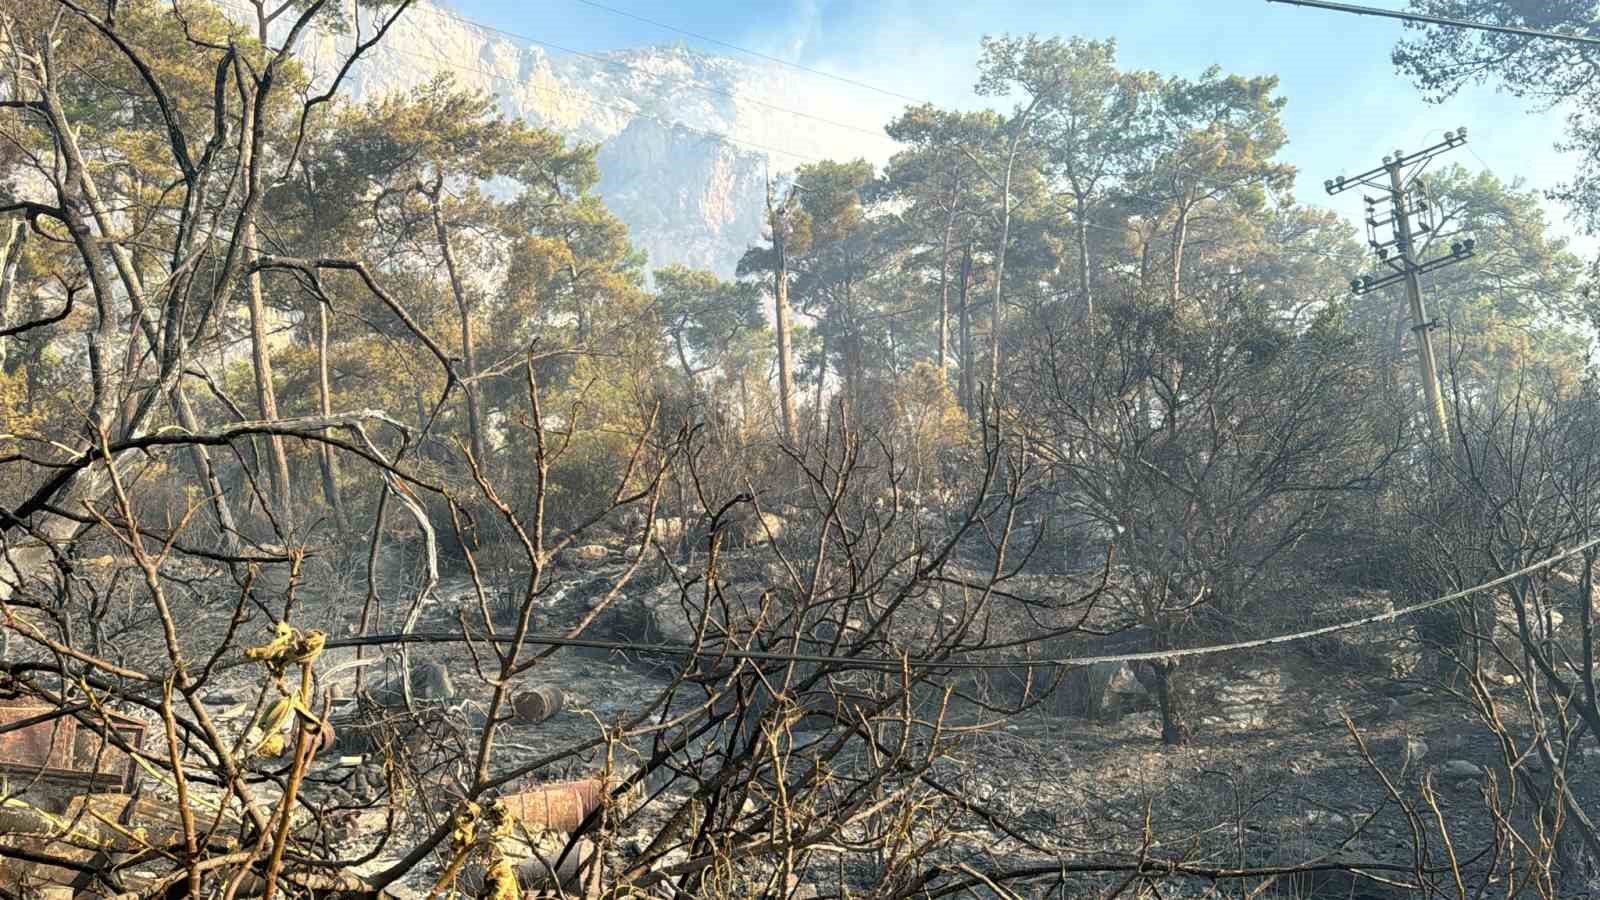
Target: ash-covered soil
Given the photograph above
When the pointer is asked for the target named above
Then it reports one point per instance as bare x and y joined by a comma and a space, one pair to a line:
1271, 776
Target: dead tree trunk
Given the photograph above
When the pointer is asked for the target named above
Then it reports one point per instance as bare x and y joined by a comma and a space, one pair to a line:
1174, 720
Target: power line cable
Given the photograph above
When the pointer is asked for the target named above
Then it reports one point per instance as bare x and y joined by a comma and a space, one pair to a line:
892, 664
756, 53
1438, 20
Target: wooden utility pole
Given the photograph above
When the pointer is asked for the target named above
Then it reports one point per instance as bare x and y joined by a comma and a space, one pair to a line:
1404, 259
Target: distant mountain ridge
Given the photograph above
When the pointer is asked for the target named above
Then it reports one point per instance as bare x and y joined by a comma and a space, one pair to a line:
687, 195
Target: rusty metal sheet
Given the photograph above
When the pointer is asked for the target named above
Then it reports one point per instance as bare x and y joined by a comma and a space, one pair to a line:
64, 749
95, 755
45, 743
149, 823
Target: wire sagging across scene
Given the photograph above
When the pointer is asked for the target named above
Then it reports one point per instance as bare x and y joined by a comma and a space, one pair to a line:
1444, 21
895, 665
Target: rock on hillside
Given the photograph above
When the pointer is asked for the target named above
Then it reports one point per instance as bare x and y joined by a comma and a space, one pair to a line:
687, 198
688, 195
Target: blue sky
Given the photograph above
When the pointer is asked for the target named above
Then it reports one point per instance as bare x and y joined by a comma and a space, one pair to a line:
1347, 106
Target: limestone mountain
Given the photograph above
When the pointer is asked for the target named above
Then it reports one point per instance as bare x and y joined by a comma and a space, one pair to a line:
686, 138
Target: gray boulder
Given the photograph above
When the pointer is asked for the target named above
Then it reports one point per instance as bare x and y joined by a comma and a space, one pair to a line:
1460, 769
1397, 754
584, 555
1096, 691
430, 683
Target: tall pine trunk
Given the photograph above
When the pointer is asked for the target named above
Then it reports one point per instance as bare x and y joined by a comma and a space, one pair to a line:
205, 469
965, 349
777, 219
1083, 260
260, 352
944, 290
135, 411
854, 363
1180, 236
266, 397
329, 464
744, 405
996, 312
10, 257
469, 350
822, 378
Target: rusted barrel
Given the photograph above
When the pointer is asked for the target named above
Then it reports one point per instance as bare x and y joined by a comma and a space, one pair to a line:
559, 806
536, 705
325, 738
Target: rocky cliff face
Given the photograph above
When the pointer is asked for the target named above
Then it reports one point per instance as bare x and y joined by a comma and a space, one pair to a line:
689, 195
687, 198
